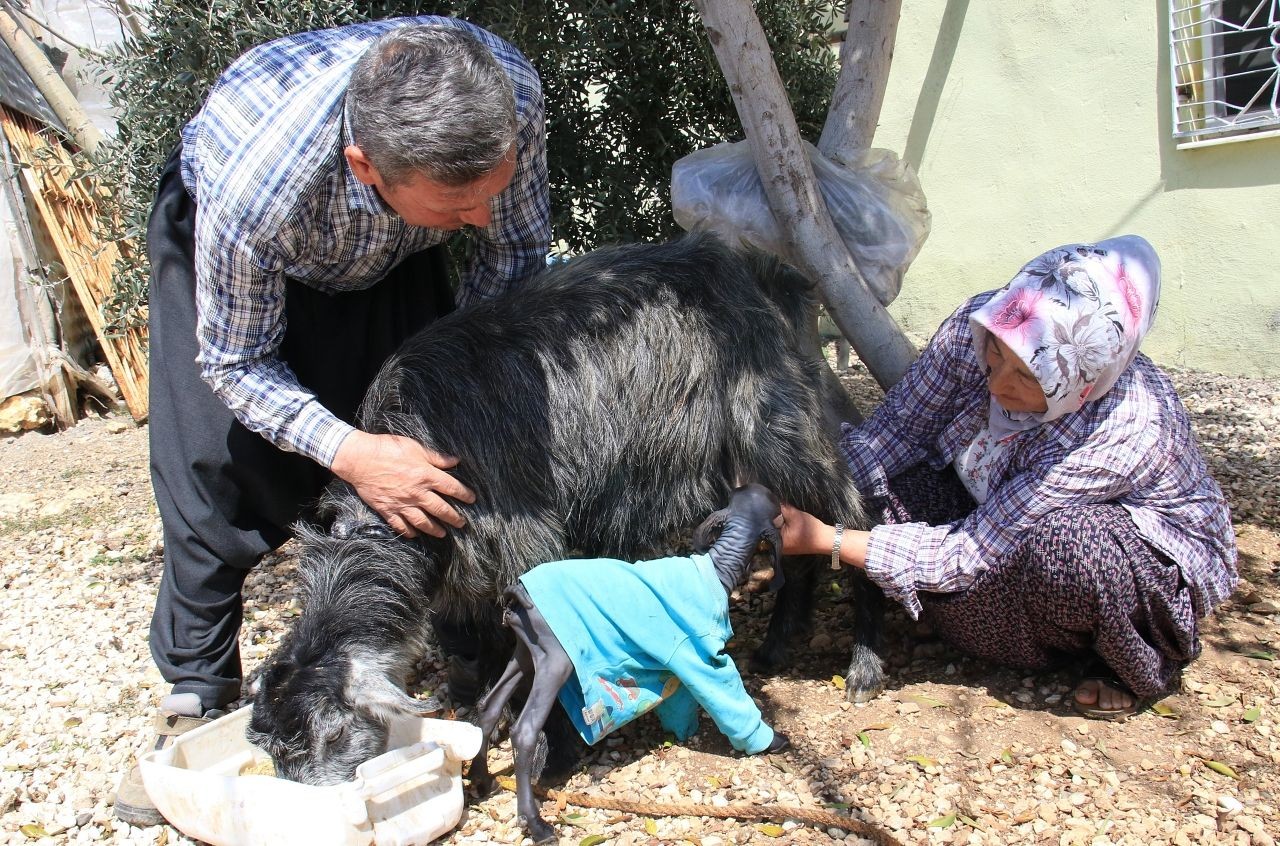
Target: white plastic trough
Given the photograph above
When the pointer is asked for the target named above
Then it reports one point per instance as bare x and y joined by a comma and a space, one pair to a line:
408, 796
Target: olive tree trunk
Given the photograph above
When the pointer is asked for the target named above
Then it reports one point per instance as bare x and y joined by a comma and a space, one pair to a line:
812, 243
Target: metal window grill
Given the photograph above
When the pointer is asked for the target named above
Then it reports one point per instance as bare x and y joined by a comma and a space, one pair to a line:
1226, 69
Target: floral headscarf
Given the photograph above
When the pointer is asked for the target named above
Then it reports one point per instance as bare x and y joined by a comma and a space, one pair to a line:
1075, 315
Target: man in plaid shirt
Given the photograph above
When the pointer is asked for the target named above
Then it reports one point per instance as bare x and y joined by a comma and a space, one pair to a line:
296, 239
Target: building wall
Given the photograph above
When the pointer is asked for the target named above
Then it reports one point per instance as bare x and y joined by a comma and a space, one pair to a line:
1043, 122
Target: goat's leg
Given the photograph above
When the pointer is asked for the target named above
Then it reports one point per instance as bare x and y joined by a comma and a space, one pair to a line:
547, 682
491, 711
792, 613
552, 667
864, 680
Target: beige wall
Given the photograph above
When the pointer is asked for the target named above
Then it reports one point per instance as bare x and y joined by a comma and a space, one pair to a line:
1034, 123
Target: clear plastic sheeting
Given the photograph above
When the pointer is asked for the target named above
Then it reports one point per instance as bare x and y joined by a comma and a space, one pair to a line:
17, 362
878, 207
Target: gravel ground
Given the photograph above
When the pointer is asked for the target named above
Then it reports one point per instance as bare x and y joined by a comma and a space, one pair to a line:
955, 751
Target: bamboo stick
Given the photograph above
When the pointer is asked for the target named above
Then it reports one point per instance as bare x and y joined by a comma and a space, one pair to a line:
67, 207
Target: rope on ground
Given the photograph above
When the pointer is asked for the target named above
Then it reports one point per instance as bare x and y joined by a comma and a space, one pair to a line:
811, 816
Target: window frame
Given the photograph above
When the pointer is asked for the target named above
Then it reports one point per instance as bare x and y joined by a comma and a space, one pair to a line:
1201, 114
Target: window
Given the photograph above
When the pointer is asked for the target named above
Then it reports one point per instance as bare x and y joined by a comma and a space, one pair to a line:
1226, 69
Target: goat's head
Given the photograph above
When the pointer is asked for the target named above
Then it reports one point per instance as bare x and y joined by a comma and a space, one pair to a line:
756, 511
320, 721
323, 703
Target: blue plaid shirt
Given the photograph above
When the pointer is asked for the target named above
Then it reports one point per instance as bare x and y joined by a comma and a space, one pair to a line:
1133, 446
277, 200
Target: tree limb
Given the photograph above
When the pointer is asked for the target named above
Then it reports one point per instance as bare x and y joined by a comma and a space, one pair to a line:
59, 97
812, 242
865, 57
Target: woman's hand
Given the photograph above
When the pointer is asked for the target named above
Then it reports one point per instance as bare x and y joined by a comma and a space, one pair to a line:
804, 534
403, 481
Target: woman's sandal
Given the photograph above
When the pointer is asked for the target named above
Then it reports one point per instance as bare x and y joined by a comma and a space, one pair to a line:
1099, 672
1094, 712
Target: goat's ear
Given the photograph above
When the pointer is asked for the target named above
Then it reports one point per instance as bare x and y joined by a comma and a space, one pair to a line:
705, 534
375, 693
774, 537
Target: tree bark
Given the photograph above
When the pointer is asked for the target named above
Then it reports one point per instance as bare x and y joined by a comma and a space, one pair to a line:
865, 57
56, 93
812, 243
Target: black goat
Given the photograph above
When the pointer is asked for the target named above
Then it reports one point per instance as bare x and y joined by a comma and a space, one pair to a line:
610, 402
644, 635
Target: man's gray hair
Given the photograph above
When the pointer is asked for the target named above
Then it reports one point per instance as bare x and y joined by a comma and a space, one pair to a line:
431, 100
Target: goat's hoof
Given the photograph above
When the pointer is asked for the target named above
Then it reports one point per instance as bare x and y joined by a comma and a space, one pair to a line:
864, 680
780, 743
859, 695
540, 831
482, 786
766, 661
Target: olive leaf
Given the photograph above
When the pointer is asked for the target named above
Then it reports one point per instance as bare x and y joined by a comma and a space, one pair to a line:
1252, 714
1219, 767
943, 822
926, 701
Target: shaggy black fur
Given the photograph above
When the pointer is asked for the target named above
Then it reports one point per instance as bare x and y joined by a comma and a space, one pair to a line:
613, 400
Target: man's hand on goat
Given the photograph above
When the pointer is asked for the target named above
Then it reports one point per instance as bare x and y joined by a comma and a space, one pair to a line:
403, 481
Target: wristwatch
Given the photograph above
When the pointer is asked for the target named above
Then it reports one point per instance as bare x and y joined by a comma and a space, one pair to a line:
835, 546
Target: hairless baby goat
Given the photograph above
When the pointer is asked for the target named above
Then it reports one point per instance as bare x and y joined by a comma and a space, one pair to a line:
612, 640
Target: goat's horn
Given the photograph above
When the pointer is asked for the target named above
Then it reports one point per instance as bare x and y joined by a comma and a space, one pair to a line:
702, 536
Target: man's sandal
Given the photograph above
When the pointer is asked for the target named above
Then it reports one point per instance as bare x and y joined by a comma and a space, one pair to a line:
132, 804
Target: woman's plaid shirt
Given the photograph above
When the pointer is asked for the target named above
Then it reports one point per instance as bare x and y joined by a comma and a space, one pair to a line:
277, 200
1133, 446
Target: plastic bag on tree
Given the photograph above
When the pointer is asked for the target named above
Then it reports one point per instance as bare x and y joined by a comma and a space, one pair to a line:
878, 207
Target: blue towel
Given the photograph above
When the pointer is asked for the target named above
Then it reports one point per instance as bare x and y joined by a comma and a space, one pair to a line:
646, 635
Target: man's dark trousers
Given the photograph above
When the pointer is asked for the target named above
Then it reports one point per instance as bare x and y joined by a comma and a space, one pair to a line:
226, 495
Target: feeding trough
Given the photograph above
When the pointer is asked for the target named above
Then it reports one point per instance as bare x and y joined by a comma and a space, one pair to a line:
206, 783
